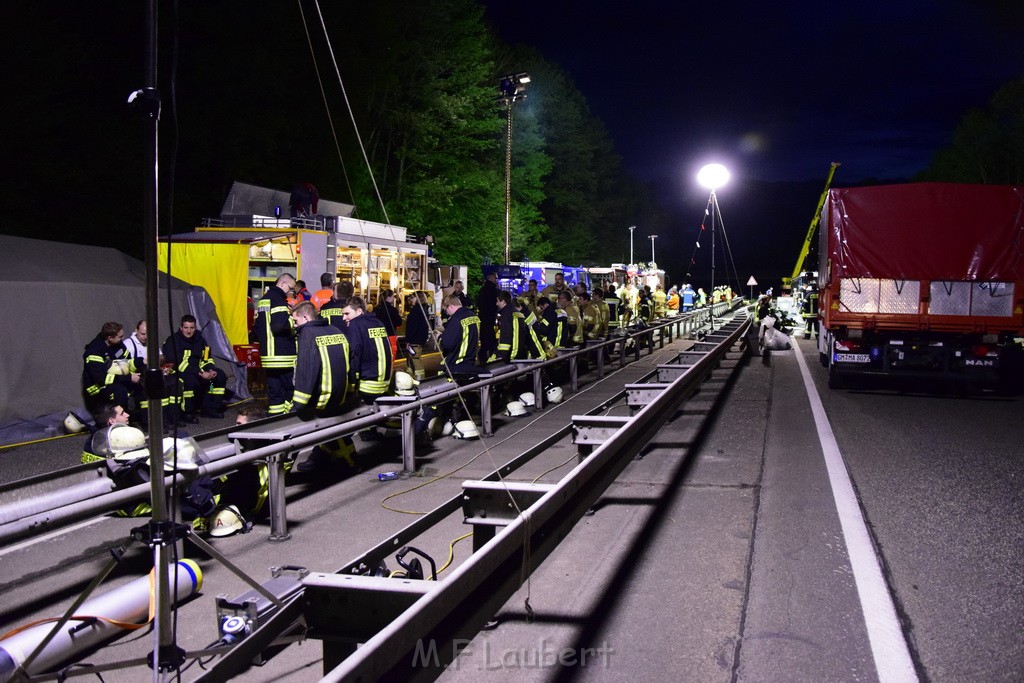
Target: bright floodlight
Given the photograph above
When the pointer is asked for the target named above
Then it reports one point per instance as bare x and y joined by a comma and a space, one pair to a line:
713, 176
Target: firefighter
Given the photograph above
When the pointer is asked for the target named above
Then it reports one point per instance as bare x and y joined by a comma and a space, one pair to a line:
573, 323
321, 381
202, 382
276, 337
109, 374
809, 310
371, 361
461, 337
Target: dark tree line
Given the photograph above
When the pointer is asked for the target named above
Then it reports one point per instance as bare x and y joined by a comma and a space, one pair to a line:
988, 144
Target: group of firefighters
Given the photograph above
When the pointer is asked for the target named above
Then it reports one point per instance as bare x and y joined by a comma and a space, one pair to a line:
326, 352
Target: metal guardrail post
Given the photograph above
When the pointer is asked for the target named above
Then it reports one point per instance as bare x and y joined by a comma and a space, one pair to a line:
278, 506
574, 383
538, 389
408, 443
485, 410
599, 360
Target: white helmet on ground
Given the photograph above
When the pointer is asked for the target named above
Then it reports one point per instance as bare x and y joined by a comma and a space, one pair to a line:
73, 424
528, 399
554, 394
439, 427
405, 384
515, 409
226, 521
466, 429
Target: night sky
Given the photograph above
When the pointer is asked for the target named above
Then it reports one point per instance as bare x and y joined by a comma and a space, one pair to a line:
775, 91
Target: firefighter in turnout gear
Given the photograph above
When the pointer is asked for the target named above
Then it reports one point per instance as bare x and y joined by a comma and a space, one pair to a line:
321, 366
809, 309
370, 351
109, 374
202, 383
276, 337
321, 380
460, 340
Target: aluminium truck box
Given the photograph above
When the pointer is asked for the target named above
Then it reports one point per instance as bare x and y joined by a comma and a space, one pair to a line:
923, 279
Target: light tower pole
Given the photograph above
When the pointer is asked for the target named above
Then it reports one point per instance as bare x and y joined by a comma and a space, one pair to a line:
631, 229
512, 88
652, 248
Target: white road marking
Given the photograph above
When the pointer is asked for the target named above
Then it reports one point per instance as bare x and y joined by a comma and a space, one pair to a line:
888, 644
52, 534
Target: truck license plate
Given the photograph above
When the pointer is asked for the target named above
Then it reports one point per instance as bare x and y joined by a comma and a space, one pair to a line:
853, 358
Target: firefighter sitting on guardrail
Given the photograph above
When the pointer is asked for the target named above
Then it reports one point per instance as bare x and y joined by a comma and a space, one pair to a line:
125, 452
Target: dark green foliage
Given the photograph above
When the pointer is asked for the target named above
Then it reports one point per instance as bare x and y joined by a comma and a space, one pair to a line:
988, 145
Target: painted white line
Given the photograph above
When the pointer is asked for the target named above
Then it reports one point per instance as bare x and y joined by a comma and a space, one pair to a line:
52, 534
888, 645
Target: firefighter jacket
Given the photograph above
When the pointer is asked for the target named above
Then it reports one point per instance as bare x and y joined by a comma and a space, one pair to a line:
530, 345
189, 356
508, 343
574, 330
333, 312
274, 331
97, 359
460, 340
593, 323
418, 325
612, 315
321, 369
370, 354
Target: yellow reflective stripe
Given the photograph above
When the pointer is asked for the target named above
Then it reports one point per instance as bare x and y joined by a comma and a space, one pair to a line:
382, 359
373, 386
89, 458
184, 360
215, 391
278, 362
94, 359
326, 383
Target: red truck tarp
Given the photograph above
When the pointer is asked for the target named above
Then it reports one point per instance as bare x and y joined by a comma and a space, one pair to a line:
925, 231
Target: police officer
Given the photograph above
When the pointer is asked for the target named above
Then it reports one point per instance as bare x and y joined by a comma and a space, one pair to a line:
273, 330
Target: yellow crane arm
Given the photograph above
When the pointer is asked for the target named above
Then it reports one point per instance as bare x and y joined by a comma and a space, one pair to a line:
814, 223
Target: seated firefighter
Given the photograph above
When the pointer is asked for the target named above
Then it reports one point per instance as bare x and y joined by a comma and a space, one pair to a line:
109, 373
202, 382
125, 452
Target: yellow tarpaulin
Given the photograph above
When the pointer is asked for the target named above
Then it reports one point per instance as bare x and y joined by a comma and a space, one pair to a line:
221, 269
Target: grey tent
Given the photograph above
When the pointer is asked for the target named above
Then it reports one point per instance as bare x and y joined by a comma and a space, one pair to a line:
58, 297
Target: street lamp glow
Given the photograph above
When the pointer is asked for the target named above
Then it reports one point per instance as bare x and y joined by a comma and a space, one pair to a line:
713, 176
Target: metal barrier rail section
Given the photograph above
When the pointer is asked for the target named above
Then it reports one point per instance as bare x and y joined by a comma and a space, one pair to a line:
372, 625
41, 504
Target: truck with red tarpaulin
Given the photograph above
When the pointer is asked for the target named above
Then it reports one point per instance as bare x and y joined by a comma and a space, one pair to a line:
922, 280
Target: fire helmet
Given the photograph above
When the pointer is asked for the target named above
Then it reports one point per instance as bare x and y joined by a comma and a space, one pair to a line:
226, 521
515, 409
466, 429
405, 384
527, 398
554, 394
72, 424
